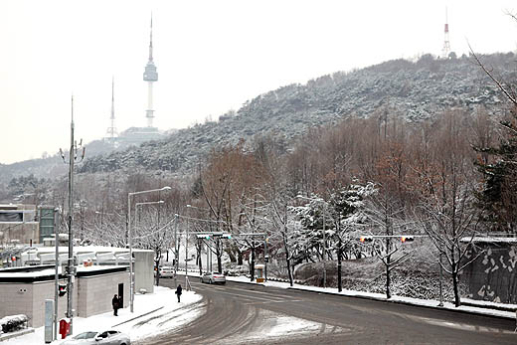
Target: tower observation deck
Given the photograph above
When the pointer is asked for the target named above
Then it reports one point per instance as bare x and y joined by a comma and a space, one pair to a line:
150, 76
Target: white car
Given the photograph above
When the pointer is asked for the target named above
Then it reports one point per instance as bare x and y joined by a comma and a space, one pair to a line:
213, 278
166, 272
101, 338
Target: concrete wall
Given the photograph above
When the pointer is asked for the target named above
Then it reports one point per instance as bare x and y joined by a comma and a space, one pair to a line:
13, 301
493, 275
45, 290
29, 299
144, 270
96, 292
92, 295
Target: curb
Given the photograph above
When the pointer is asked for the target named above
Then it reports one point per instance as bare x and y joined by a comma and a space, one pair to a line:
137, 317
7, 336
410, 304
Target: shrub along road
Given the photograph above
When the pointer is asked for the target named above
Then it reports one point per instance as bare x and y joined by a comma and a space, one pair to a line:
240, 313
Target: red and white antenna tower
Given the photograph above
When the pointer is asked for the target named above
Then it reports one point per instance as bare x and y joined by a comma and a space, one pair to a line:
446, 43
112, 130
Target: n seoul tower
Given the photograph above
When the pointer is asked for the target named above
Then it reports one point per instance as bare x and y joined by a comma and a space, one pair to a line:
150, 76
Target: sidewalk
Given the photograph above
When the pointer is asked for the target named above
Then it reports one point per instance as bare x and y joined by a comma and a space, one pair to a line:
506, 311
153, 314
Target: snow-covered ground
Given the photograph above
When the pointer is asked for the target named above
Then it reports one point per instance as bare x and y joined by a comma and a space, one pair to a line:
172, 314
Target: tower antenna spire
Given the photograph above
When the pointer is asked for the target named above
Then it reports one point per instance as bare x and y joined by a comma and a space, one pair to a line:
446, 50
151, 40
150, 76
112, 130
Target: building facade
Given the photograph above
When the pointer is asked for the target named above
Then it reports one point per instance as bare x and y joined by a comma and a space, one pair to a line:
24, 291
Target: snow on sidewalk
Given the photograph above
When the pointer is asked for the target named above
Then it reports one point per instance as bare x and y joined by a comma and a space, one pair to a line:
483, 309
171, 316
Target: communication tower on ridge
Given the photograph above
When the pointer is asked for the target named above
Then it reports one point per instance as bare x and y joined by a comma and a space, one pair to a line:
446, 43
112, 130
150, 76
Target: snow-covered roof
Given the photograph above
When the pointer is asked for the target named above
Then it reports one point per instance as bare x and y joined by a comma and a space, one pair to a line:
89, 249
48, 273
32, 274
489, 239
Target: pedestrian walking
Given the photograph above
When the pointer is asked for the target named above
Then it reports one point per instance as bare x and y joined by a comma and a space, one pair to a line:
178, 292
115, 303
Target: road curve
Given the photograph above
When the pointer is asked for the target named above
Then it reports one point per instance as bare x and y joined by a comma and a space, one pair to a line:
251, 314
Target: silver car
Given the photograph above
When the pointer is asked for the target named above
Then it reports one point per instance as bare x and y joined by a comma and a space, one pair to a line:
213, 278
99, 338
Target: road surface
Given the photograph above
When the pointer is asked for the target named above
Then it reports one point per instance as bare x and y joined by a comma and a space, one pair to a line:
239, 313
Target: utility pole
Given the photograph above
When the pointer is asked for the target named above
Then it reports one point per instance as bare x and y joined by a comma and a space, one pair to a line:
56, 282
70, 269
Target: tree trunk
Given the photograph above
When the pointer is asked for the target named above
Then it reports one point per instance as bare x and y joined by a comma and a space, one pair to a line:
288, 258
219, 255
157, 265
339, 278
199, 258
239, 258
455, 283
252, 266
388, 263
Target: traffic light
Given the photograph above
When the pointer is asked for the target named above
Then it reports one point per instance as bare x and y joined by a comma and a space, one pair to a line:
405, 239
364, 239
61, 290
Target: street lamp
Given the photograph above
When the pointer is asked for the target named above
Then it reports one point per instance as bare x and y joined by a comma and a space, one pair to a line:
324, 236
146, 203
131, 287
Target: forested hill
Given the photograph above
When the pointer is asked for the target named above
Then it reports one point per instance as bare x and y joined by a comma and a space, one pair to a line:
413, 90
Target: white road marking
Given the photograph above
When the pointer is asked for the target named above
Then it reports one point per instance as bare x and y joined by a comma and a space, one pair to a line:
462, 326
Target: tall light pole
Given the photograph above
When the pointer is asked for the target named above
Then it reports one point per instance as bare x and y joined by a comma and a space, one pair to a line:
158, 227
324, 235
176, 251
71, 264
131, 281
186, 253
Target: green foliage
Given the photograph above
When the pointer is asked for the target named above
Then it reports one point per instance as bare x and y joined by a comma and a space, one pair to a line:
497, 199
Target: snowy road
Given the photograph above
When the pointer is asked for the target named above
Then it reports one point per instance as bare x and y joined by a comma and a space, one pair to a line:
250, 314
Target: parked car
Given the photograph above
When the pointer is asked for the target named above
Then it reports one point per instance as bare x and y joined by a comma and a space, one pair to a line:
99, 338
213, 278
166, 272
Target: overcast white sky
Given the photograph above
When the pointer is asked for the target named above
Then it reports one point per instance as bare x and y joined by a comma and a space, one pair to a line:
211, 55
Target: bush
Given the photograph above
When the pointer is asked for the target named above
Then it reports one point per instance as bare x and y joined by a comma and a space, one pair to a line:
13, 323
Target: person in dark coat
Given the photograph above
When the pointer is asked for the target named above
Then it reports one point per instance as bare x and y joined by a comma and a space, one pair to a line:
178, 292
116, 304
